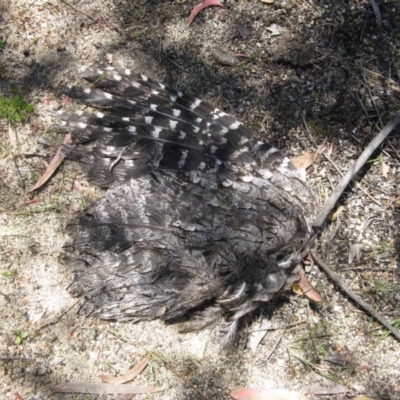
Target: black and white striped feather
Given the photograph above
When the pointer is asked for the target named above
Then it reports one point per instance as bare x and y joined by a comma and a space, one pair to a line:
200, 213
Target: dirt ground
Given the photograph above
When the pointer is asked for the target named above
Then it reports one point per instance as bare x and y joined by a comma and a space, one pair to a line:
312, 71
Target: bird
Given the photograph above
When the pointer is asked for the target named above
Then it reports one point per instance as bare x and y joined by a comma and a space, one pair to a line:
201, 219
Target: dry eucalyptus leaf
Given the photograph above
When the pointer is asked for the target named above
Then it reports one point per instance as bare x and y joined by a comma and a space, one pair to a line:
202, 6
324, 386
103, 388
266, 394
54, 164
131, 374
334, 216
267, 1
305, 288
304, 161
338, 359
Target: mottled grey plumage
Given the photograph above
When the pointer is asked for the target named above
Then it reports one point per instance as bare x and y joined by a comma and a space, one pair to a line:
200, 214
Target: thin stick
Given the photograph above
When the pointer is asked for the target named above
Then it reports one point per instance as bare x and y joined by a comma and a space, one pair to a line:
55, 320
276, 328
275, 346
377, 13
342, 286
79, 11
328, 207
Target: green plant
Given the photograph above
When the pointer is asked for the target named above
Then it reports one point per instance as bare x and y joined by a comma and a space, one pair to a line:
41, 209
20, 336
34, 177
382, 335
314, 342
140, 33
2, 44
15, 109
7, 274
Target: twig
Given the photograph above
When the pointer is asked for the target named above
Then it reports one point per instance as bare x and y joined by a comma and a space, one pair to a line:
377, 13
19, 173
310, 138
275, 346
394, 149
79, 11
342, 286
276, 328
58, 318
176, 65
373, 101
358, 185
330, 204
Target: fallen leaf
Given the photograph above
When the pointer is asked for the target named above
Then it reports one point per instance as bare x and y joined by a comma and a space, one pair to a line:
131, 374
274, 29
202, 6
54, 164
385, 169
103, 388
336, 214
338, 359
267, 1
305, 288
266, 394
110, 58
326, 391
354, 252
12, 137
225, 58
297, 289
306, 160
241, 55
35, 128
324, 386
330, 150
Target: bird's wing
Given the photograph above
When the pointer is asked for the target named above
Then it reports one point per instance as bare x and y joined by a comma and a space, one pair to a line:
145, 126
